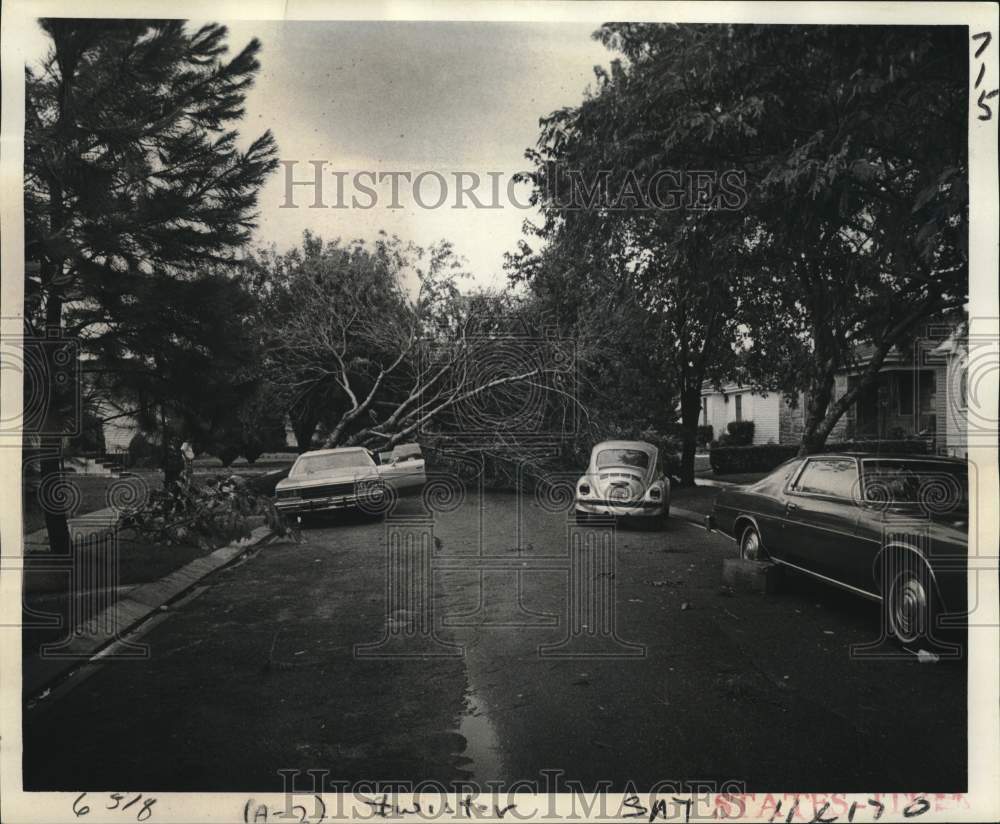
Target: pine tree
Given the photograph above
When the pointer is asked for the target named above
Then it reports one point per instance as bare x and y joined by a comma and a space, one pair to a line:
134, 174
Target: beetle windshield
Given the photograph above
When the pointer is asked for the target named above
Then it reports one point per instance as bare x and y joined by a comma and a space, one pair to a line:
316, 464
623, 457
935, 486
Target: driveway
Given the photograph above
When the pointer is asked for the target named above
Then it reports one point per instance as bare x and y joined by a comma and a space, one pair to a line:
479, 651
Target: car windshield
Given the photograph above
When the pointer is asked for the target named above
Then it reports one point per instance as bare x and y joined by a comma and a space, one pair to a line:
937, 487
623, 457
318, 464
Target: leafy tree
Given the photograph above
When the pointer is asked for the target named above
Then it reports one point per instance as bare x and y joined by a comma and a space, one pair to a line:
835, 209
394, 361
176, 354
594, 166
853, 143
134, 177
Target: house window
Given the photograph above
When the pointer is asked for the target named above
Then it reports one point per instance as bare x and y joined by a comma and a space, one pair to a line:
739, 407
963, 387
704, 411
904, 393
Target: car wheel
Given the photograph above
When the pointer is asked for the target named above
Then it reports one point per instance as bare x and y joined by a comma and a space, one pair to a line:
909, 604
751, 547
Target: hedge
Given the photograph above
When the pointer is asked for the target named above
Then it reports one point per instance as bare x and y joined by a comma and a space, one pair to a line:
761, 458
738, 433
765, 457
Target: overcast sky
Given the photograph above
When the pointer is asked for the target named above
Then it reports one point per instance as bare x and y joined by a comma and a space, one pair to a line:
409, 97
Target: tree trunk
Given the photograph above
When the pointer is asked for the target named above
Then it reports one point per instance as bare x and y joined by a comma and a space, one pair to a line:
304, 427
690, 412
56, 523
824, 411
817, 400
56, 515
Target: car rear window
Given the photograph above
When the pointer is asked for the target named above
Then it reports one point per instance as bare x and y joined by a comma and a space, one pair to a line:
623, 457
938, 486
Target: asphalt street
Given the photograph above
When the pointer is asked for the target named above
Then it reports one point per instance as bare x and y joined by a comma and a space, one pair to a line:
476, 643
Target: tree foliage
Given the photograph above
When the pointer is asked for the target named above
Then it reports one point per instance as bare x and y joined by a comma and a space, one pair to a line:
845, 149
136, 183
382, 333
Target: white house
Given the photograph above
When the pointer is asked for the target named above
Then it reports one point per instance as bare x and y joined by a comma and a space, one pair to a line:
953, 420
918, 393
733, 402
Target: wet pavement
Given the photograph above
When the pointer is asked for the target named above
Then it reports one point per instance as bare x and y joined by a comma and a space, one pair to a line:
476, 644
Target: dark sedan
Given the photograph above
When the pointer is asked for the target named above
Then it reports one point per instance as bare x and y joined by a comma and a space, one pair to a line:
890, 528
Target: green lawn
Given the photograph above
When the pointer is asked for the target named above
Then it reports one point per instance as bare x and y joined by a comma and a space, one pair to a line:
138, 562
93, 489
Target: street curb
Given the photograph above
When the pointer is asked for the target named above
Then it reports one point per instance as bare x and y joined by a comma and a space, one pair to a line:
696, 518
140, 603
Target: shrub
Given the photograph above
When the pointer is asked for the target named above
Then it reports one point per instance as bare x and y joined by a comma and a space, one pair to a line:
227, 453
739, 433
902, 446
90, 440
705, 435
143, 452
761, 458
252, 451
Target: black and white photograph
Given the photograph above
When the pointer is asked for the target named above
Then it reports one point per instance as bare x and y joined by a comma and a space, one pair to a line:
534, 411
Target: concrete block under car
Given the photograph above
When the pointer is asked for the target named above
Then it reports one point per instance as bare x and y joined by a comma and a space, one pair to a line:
751, 576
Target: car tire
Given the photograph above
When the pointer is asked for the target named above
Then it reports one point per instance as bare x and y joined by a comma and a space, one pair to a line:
910, 602
751, 547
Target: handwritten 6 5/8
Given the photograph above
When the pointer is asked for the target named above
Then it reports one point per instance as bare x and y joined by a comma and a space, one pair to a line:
142, 812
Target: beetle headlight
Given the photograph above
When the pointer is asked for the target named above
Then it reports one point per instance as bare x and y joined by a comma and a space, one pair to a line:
655, 493
583, 489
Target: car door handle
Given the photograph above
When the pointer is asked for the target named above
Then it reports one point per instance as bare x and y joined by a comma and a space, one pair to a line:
791, 507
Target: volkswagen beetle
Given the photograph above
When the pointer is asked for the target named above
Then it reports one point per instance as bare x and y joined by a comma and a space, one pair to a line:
624, 480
